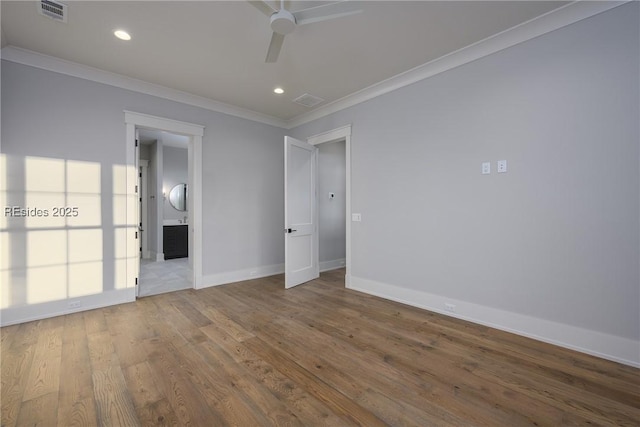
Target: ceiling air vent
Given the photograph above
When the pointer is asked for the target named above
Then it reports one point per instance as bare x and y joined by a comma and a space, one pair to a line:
308, 100
53, 9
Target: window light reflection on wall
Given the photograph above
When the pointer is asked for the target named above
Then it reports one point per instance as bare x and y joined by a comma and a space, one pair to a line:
57, 250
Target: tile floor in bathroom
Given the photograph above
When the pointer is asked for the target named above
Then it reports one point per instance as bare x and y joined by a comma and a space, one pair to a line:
164, 276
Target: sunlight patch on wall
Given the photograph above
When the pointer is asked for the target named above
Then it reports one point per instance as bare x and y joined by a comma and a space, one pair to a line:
38, 200
51, 233
119, 179
120, 276
126, 250
46, 284
85, 279
119, 209
46, 248
89, 210
85, 262
85, 245
5, 253
43, 174
121, 216
5, 289
83, 177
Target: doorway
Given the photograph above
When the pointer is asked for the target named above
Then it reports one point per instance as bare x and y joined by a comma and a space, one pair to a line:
339, 135
190, 219
310, 201
165, 265
332, 205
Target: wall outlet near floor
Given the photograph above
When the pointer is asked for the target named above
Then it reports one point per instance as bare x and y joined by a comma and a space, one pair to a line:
486, 168
253, 273
75, 304
450, 307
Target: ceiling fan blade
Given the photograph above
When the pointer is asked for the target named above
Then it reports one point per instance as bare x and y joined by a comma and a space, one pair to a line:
263, 7
274, 47
324, 12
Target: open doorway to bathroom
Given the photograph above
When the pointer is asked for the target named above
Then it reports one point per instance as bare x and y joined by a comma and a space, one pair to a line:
136, 122
164, 212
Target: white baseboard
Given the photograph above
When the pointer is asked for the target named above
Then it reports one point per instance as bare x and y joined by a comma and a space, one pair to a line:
606, 346
239, 275
28, 313
331, 265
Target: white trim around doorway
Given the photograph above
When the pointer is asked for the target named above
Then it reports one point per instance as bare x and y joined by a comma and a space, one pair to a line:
135, 120
341, 134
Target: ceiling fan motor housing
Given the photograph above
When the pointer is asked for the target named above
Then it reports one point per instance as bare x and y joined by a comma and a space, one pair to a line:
283, 22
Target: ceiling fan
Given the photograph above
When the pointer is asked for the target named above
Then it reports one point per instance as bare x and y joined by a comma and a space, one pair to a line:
284, 22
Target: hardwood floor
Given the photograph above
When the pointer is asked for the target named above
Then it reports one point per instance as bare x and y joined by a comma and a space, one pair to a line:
253, 354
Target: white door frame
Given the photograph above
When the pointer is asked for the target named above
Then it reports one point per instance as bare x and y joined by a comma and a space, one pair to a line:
195, 132
341, 134
144, 220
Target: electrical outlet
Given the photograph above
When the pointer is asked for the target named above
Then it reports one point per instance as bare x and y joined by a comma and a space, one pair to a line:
502, 166
75, 304
486, 168
253, 273
450, 307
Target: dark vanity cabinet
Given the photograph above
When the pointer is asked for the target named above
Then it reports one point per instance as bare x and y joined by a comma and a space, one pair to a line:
175, 241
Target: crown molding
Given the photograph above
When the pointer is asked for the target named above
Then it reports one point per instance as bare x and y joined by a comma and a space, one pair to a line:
553, 20
62, 66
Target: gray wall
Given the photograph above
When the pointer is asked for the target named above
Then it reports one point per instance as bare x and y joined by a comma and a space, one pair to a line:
175, 168
556, 237
331, 212
55, 116
145, 151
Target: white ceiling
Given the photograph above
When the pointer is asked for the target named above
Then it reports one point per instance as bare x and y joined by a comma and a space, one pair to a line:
216, 49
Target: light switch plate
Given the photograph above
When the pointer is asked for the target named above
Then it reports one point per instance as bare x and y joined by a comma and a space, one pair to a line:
356, 217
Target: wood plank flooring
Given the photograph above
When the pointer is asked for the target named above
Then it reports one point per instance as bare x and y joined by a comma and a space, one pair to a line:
253, 354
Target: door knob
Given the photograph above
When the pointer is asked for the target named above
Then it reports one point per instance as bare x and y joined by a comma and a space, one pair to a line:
289, 230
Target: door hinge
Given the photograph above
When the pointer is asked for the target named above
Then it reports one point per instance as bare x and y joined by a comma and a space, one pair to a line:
136, 188
136, 142
136, 234
136, 281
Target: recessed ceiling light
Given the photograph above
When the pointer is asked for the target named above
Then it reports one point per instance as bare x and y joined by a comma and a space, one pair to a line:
122, 35
278, 90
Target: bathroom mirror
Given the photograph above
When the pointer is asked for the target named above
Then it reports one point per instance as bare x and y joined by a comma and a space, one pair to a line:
178, 197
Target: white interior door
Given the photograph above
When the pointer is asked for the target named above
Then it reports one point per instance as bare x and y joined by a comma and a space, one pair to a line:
300, 212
